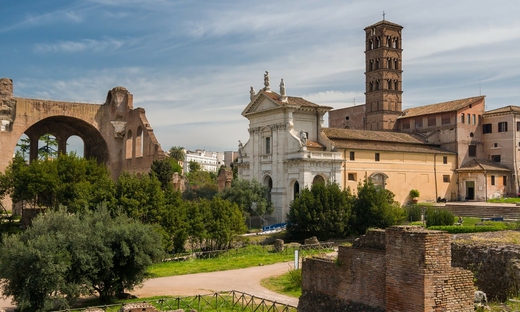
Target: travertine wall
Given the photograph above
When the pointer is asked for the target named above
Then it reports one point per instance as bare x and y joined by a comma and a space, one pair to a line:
400, 269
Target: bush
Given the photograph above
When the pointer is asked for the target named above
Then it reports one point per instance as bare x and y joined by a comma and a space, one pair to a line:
413, 213
439, 217
469, 229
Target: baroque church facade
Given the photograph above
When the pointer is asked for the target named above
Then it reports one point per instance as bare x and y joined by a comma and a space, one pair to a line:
453, 150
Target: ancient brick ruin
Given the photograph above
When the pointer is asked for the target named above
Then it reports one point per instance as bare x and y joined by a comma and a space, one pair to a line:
402, 268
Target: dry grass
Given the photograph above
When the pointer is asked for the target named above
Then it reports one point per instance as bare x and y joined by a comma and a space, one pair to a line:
489, 238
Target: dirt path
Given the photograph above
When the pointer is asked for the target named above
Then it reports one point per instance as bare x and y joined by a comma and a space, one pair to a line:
244, 280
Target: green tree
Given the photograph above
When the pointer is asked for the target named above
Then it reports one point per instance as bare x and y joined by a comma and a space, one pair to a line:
193, 166
24, 147
323, 211
375, 207
178, 153
250, 196
49, 149
164, 170
140, 197
200, 184
67, 255
68, 180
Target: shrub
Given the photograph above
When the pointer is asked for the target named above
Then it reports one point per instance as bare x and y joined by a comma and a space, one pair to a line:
469, 229
413, 213
414, 193
439, 217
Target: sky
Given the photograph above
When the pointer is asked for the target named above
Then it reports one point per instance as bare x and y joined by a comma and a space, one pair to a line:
190, 64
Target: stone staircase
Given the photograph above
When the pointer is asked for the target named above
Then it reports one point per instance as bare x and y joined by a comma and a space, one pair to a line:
482, 210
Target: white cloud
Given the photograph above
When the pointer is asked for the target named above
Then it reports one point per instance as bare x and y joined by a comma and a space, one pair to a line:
80, 46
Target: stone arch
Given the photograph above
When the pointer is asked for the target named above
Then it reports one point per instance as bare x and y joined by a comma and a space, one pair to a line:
379, 179
318, 179
63, 127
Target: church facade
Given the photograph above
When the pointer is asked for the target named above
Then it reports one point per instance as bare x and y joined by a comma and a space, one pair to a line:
452, 150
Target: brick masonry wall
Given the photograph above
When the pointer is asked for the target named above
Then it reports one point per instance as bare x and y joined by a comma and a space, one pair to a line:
496, 268
410, 271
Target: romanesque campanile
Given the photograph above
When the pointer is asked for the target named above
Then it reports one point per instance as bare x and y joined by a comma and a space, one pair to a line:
383, 55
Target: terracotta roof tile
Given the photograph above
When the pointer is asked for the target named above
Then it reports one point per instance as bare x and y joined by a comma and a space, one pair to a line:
380, 140
504, 110
370, 135
313, 144
482, 165
440, 107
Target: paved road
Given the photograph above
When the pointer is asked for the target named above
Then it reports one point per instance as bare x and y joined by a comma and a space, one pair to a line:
244, 280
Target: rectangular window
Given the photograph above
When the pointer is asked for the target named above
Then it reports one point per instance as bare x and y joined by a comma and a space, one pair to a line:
444, 159
352, 155
406, 124
418, 122
474, 119
462, 118
446, 119
492, 180
432, 121
446, 178
468, 119
504, 180
268, 145
518, 126
352, 177
376, 156
495, 158
502, 126
486, 128
472, 150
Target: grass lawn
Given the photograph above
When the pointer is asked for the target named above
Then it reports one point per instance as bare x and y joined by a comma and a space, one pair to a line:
233, 259
288, 284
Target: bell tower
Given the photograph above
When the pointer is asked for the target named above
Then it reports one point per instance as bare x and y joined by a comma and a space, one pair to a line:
383, 74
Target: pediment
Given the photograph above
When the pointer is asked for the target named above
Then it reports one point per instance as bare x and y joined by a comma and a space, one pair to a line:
260, 103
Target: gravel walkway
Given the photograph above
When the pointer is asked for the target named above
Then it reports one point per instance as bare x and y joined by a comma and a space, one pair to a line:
244, 280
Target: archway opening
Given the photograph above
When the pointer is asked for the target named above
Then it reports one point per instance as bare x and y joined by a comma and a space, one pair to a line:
296, 190
76, 145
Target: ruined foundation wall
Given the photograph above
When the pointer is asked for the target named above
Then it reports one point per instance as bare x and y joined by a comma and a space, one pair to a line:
496, 268
400, 269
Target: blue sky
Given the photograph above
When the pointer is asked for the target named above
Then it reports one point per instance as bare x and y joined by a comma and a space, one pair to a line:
190, 64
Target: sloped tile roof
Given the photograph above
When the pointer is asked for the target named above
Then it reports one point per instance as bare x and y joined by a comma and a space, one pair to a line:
383, 22
440, 107
370, 135
313, 144
380, 141
291, 100
482, 165
504, 110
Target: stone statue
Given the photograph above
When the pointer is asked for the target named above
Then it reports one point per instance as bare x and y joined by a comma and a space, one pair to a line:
282, 88
240, 150
266, 81
252, 93
303, 138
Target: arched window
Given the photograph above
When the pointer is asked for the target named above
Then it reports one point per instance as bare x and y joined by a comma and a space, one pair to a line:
318, 179
139, 142
296, 190
129, 144
269, 183
76, 145
379, 179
